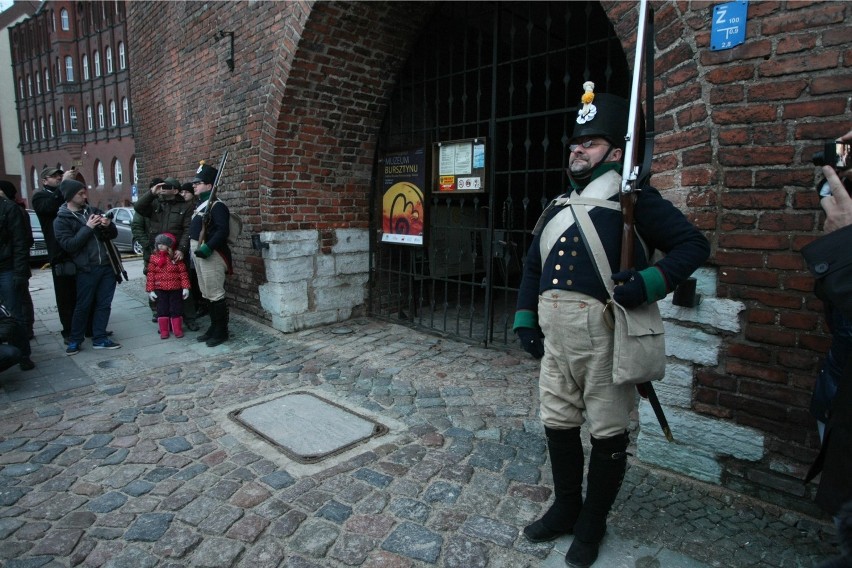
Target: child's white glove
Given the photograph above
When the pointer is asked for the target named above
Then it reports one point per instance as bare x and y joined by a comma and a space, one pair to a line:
152, 295
185, 293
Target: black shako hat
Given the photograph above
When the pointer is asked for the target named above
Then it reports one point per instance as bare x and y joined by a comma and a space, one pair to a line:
606, 116
205, 174
69, 188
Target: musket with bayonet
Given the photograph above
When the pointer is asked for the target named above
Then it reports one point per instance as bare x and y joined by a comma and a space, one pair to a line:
634, 176
205, 219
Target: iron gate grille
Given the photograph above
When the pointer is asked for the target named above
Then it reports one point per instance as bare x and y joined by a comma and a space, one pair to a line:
511, 72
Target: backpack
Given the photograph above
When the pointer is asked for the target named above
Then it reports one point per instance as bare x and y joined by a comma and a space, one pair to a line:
235, 225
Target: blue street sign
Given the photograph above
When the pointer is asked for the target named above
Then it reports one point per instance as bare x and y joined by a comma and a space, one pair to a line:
729, 25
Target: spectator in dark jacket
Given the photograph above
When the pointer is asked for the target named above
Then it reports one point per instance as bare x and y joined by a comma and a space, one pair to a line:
83, 231
25, 300
14, 257
46, 203
14, 345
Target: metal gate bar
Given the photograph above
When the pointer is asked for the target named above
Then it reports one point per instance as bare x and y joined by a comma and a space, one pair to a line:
511, 72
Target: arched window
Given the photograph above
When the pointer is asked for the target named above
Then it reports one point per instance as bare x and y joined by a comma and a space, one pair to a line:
21, 88
29, 86
113, 119
135, 168
69, 69
117, 173
100, 173
46, 80
38, 83
63, 19
122, 60
72, 118
96, 58
26, 131
108, 56
35, 132
125, 110
100, 115
85, 67
41, 128
90, 121
36, 180
52, 125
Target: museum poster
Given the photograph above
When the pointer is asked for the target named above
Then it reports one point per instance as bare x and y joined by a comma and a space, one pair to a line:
403, 200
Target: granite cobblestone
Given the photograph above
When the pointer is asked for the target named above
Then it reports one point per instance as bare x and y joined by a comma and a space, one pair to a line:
148, 472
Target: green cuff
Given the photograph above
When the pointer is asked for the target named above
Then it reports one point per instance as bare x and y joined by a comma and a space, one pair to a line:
655, 284
205, 250
525, 318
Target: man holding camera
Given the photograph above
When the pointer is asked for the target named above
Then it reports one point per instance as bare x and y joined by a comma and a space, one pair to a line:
83, 232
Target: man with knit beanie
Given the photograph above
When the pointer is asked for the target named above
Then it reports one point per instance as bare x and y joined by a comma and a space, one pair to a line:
211, 254
563, 318
83, 231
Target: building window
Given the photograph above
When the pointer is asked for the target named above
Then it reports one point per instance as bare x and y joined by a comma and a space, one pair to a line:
62, 120
85, 67
117, 173
26, 132
35, 132
72, 118
90, 122
29, 86
47, 81
69, 69
108, 56
96, 57
21, 88
113, 119
41, 128
100, 173
122, 61
134, 167
100, 115
63, 18
52, 126
125, 110
38, 83
36, 181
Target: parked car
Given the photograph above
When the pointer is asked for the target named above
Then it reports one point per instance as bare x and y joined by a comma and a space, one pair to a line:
124, 242
38, 252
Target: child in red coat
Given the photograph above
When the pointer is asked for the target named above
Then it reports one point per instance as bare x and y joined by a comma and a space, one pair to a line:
168, 285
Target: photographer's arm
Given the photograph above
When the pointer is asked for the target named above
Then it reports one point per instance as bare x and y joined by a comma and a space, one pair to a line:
838, 205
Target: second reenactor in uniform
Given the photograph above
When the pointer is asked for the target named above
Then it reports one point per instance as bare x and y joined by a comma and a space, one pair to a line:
211, 254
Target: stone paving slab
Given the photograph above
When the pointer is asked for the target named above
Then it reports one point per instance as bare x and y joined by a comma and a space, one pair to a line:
140, 467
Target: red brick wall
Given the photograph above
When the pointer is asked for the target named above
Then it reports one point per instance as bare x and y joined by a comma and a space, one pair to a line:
736, 129
299, 113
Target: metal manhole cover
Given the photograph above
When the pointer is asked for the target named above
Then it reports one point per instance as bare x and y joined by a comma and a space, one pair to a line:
306, 427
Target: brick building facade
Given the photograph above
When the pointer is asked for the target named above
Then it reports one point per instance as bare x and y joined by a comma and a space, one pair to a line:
302, 113
72, 89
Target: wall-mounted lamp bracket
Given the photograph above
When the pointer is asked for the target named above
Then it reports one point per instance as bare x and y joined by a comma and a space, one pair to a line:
230, 35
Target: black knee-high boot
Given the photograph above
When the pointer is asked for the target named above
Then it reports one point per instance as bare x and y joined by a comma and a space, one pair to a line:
607, 464
219, 318
566, 463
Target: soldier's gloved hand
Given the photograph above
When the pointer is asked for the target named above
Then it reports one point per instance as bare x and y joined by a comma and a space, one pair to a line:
630, 289
185, 293
203, 251
532, 341
152, 295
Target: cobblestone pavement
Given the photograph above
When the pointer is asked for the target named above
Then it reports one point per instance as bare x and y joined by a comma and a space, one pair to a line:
143, 467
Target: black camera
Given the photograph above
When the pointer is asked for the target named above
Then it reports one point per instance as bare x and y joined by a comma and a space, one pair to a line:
838, 155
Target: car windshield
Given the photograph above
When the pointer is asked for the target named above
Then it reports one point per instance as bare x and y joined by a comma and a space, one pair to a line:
34, 221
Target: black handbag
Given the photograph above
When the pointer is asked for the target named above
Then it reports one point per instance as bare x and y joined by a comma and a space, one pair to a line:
65, 268
829, 258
